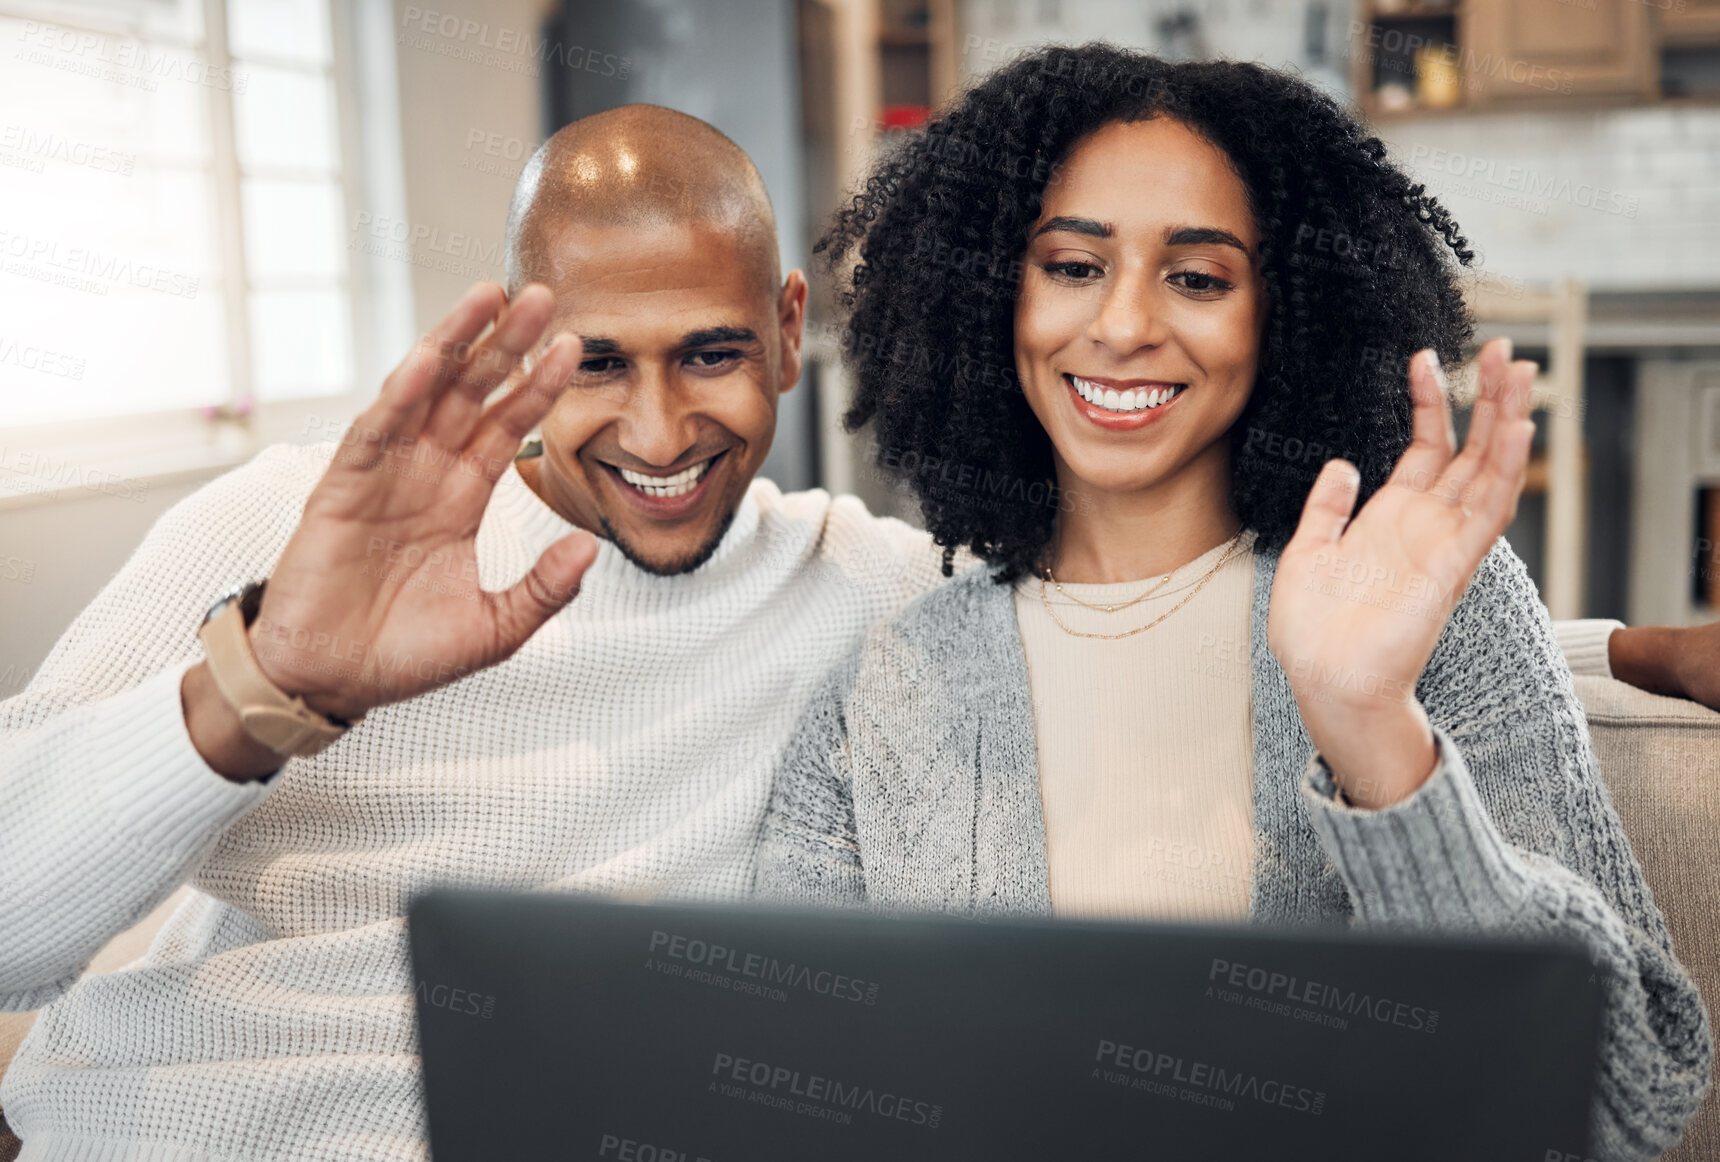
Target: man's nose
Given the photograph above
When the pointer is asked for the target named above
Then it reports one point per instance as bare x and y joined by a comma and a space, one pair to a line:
657, 426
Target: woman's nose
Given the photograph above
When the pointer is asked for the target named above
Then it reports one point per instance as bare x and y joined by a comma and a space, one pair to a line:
1127, 316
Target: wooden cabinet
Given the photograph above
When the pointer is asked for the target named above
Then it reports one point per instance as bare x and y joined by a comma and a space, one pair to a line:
1529, 51
1687, 22
1430, 55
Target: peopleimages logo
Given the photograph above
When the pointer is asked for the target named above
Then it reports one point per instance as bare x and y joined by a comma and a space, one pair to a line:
456, 1000
768, 969
1205, 1083
1281, 993
778, 1085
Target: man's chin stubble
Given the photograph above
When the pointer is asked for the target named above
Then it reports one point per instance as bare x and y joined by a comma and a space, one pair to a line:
676, 567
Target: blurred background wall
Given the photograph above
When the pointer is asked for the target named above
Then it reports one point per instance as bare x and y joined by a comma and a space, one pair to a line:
227, 219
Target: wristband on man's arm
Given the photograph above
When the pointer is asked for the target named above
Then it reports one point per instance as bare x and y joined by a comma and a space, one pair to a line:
277, 721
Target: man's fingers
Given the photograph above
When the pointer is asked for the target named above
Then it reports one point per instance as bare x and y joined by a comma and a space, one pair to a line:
483, 366
431, 364
1433, 442
517, 331
543, 592
1330, 504
512, 417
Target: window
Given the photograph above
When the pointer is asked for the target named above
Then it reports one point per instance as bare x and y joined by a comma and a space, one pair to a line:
171, 172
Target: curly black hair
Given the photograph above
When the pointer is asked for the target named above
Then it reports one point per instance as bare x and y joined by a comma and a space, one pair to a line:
1360, 265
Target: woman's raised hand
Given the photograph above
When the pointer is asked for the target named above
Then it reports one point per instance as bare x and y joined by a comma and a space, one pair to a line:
1358, 604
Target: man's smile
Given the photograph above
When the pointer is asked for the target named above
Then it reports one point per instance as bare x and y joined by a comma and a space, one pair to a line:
666, 495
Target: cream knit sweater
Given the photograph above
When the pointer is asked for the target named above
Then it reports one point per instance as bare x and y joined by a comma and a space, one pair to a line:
628, 746
1145, 754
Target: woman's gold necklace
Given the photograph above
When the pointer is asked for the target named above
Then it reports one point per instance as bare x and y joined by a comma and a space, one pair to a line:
1104, 608
1229, 552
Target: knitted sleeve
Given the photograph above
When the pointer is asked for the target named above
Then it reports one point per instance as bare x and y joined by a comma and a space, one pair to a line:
810, 851
105, 804
1515, 833
1585, 644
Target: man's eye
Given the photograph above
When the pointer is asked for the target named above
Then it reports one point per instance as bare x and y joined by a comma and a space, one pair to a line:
600, 365
712, 358
1200, 282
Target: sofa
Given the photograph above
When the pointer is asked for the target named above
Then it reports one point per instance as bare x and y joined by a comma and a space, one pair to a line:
1660, 758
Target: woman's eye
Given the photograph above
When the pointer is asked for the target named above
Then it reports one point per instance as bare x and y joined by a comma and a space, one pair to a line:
1200, 282
1077, 271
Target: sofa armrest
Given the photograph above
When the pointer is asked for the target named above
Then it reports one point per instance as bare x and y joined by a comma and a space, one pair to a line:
1660, 760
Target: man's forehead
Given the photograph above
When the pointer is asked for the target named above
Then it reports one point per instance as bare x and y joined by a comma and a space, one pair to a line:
664, 254
640, 303
651, 286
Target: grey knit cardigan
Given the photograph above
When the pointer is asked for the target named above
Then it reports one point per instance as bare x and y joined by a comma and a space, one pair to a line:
912, 782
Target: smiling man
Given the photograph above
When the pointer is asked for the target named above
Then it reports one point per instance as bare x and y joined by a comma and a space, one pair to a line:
621, 741
669, 274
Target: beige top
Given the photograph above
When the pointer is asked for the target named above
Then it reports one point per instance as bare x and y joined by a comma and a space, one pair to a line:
1146, 760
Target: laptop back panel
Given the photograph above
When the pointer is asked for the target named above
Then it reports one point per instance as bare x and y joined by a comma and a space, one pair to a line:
555, 1026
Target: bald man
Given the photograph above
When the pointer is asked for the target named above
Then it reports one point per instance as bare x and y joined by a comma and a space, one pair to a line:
414, 698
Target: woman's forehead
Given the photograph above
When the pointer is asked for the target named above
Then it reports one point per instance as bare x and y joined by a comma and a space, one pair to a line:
1144, 175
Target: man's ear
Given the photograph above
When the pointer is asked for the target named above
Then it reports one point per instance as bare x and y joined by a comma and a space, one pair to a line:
791, 318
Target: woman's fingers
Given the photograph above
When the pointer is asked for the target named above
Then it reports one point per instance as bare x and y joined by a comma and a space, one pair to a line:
1498, 484
1497, 424
1493, 367
1433, 442
1329, 506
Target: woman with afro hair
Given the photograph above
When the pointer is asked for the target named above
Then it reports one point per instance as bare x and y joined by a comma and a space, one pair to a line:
1161, 345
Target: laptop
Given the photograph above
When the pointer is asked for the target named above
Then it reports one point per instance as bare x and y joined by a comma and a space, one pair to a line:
568, 1027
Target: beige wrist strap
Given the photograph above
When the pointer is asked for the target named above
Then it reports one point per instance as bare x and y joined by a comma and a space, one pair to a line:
274, 719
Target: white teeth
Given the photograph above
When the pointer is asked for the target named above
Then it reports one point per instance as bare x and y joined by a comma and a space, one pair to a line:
679, 484
1132, 400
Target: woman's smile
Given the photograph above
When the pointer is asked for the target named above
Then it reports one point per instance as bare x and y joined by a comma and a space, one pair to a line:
1122, 405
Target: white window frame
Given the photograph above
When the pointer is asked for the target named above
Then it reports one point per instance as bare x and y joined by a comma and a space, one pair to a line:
163, 447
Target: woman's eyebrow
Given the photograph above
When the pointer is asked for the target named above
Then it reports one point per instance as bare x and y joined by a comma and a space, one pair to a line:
1086, 226
1204, 235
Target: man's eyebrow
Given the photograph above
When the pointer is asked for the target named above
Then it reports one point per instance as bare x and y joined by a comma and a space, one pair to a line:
709, 335
1204, 235
1086, 226
594, 345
